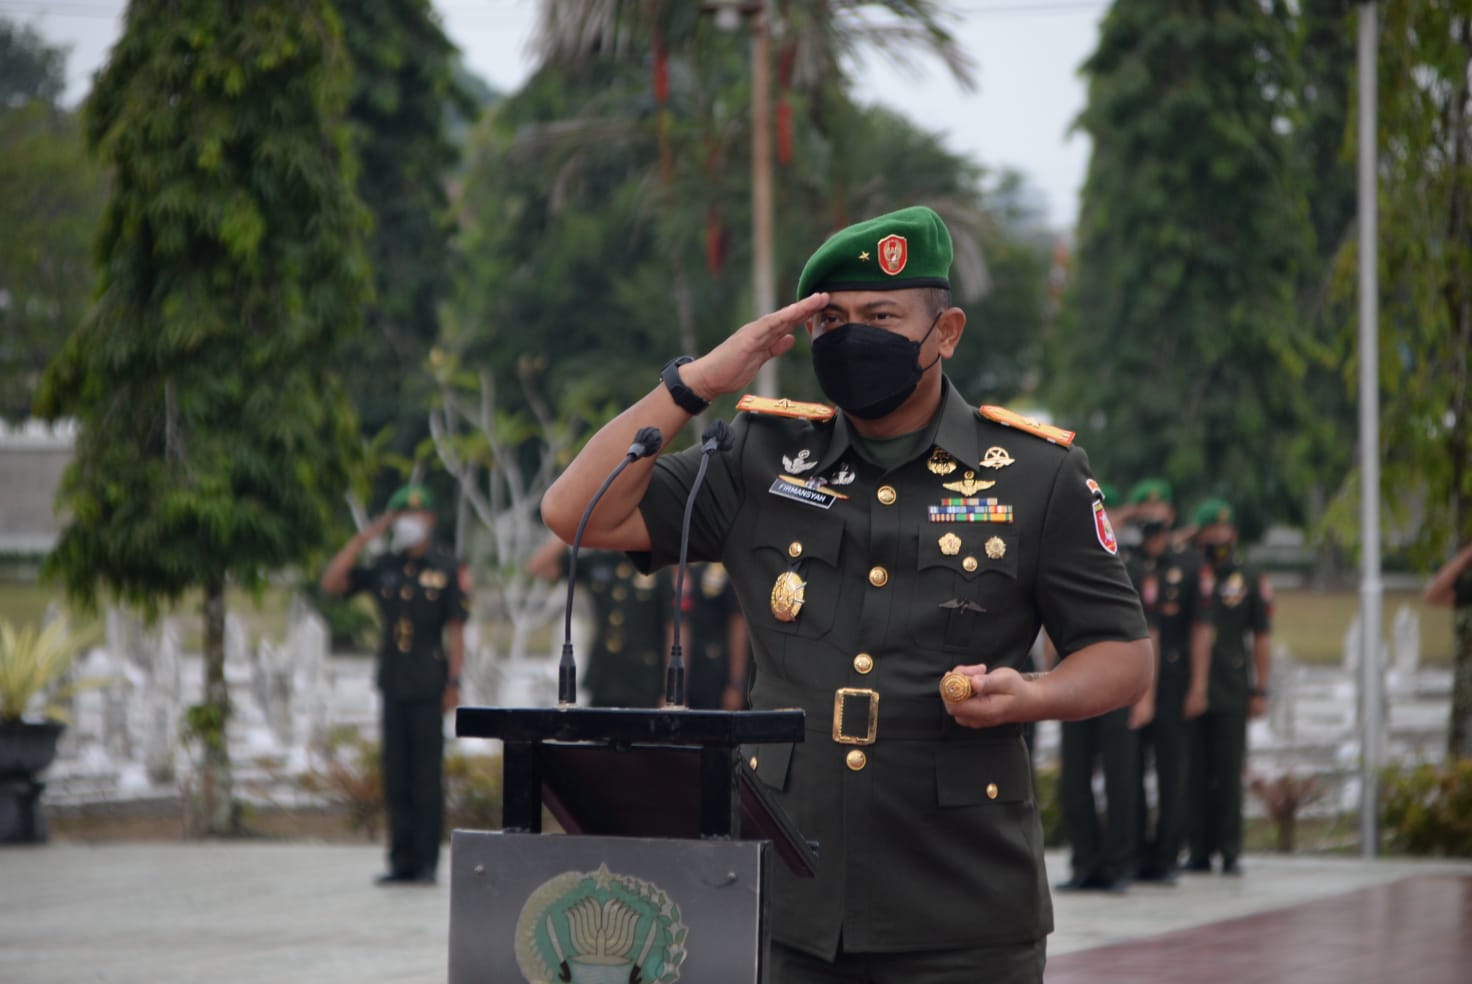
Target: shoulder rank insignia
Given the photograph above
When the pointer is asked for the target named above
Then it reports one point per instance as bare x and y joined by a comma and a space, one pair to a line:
783, 407
1028, 425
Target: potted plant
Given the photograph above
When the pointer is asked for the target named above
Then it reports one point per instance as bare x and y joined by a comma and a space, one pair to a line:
33, 667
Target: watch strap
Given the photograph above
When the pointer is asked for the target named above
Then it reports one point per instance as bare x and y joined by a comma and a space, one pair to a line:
685, 397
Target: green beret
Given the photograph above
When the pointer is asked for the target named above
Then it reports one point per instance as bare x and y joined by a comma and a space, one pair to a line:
411, 497
1213, 511
908, 248
1108, 492
1150, 490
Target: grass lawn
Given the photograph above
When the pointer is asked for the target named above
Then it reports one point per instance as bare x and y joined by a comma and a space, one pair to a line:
24, 602
1313, 624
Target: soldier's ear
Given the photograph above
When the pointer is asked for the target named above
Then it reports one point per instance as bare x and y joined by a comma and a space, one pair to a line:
950, 328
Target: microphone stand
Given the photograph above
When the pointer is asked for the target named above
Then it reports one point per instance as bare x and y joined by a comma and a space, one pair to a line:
646, 442
717, 437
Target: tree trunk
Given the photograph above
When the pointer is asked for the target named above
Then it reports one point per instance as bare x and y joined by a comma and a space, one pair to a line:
1459, 738
219, 799
1287, 824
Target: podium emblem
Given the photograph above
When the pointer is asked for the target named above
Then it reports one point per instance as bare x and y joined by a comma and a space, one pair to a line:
597, 927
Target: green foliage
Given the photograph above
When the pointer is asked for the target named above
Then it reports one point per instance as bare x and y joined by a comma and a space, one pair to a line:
351, 780
473, 791
204, 725
1176, 354
405, 93
214, 441
1425, 267
1427, 809
50, 198
30, 69
34, 664
620, 226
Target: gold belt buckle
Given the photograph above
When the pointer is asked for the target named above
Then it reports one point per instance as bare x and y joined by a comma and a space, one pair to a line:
844, 693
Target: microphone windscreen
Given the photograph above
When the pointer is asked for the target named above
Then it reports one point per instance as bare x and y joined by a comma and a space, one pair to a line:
717, 437
646, 442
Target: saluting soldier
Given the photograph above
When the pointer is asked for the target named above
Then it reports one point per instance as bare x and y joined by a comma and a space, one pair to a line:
630, 612
873, 550
423, 601
1168, 579
1237, 689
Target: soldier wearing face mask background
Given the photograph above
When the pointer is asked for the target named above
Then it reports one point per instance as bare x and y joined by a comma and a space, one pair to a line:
422, 598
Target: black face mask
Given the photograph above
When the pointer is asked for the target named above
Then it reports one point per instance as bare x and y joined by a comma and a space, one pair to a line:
1217, 554
866, 370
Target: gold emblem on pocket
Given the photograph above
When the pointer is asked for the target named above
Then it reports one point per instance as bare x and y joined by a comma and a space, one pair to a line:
787, 596
950, 544
996, 548
955, 688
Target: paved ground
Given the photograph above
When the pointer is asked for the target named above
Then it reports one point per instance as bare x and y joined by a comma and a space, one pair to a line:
248, 912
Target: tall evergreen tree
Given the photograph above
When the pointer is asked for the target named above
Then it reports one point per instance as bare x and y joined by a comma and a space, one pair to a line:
404, 95
1174, 355
214, 440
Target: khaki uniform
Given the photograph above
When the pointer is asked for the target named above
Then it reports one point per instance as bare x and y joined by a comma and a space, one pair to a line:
929, 832
417, 598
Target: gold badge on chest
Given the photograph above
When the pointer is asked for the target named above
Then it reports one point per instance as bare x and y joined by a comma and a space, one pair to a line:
941, 463
787, 596
968, 484
996, 548
996, 457
950, 544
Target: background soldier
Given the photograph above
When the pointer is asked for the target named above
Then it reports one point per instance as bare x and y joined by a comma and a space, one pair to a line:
717, 650
1237, 688
1168, 580
422, 598
630, 610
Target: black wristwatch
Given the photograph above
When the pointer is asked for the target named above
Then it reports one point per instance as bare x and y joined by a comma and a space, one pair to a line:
684, 396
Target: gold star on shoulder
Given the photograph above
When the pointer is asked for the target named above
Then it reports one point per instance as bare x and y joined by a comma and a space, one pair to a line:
864, 256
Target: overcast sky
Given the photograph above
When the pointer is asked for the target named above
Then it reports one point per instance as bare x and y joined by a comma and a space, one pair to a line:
1027, 53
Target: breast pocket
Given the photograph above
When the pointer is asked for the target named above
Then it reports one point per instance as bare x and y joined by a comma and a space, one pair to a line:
803, 552
966, 580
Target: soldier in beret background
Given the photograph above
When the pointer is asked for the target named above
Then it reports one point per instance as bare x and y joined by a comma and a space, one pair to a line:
422, 598
1237, 689
874, 549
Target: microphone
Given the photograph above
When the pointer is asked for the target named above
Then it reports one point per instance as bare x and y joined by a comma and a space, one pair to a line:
717, 437
646, 442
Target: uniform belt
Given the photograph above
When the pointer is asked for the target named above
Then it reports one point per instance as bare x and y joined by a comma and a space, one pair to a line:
858, 715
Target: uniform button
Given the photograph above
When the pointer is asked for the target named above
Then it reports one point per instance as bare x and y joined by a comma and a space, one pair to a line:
794, 549
886, 495
856, 760
753, 763
969, 563
863, 662
878, 576
991, 790
615, 618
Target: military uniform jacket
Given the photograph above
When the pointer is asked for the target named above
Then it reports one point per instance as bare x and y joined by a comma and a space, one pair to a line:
630, 610
416, 597
1171, 592
929, 834
1241, 609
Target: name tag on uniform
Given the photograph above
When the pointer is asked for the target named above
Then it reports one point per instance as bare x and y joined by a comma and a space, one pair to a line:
799, 491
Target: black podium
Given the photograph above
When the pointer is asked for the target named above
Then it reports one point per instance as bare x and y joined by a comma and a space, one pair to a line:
663, 874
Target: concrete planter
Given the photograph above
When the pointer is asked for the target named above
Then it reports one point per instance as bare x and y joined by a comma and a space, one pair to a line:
25, 751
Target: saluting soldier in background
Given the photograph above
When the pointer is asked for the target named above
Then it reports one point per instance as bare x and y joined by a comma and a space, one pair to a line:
423, 601
1237, 688
1168, 578
630, 610
873, 551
